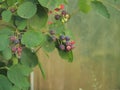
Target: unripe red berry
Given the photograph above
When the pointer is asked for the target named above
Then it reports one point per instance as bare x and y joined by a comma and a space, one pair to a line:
62, 6
72, 42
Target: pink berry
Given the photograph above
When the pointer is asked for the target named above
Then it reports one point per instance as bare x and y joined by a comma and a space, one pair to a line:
12, 38
68, 48
19, 49
14, 49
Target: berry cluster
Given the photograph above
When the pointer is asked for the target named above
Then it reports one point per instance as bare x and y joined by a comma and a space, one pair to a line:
16, 46
61, 14
63, 42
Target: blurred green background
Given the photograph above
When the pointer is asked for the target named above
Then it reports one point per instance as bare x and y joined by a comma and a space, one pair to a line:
96, 63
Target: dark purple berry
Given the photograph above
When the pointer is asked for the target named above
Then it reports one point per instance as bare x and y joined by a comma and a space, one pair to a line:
16, 41
52, 32
67, 38
68, 43
62, 37
63, 12
62, 47
57, 17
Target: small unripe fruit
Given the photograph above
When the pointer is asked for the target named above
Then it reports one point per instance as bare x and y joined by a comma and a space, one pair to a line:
13, 10
67, 16
57, 17
62, 47
52, 32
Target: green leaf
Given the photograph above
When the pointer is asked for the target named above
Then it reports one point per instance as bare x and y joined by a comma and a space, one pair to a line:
48, 45
1, 1
42, 71
51, 4
11, 2
4, 42
15, 60
84, 5
58, 27
7, 54
28, 58
6, 15
100, 8
6, 31
27, 10
32, 38
15, 88
39, 19
17, 74
5, 83
20, 23
66, 55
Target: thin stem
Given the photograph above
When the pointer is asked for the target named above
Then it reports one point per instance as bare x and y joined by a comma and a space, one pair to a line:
38, 49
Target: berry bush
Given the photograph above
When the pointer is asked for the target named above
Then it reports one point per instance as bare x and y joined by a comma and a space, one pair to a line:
26, 26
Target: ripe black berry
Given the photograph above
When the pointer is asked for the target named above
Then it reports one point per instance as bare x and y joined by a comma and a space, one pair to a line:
57, 17
63, 12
